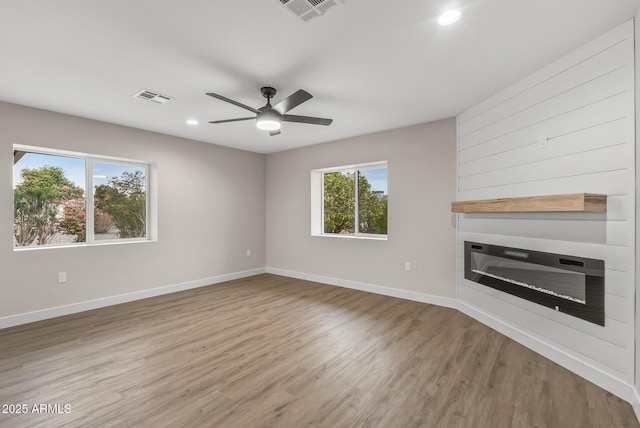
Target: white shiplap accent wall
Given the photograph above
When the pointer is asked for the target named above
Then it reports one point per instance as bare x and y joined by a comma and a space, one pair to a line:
584, 105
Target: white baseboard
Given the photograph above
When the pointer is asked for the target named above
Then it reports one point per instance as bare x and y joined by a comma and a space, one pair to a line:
73, 308
635, 403
614, 385
377, 289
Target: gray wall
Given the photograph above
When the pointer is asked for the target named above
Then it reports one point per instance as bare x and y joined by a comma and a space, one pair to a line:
211, 208
421, 186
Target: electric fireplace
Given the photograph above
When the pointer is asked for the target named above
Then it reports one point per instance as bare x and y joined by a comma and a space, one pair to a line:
570, 284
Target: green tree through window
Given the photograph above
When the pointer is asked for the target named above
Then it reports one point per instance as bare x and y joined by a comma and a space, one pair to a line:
124, 200
372, 205
51, 209
339, 202
36, 202
341, 196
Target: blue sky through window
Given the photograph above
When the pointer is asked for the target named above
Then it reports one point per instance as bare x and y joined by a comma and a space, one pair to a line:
377, 178
102, 171
74, 168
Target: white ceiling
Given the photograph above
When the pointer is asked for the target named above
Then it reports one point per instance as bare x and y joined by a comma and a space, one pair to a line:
371, 65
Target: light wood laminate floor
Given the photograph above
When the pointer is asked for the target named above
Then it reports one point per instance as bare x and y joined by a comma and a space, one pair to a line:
269, 351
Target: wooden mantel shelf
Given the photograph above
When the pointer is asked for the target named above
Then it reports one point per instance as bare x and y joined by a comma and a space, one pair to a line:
575, 202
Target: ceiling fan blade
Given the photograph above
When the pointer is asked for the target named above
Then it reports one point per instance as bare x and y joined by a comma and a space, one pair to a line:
232, 120
272, 133
292, 101
306, 119
236, 103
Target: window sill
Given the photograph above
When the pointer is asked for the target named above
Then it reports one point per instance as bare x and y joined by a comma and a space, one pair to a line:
343, 236
81, 245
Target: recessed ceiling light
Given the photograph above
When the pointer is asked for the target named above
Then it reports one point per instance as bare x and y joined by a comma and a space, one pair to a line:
192, 122
449, 17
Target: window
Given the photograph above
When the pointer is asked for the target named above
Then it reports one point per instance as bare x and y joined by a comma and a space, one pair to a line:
353, 201
52, 204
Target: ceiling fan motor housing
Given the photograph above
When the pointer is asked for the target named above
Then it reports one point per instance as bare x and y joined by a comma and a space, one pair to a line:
268, 92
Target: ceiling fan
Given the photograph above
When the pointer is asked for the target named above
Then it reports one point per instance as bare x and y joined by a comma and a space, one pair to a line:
270, 118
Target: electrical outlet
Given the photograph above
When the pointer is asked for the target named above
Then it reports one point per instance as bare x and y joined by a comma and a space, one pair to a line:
407, 266
248, 252
62, 277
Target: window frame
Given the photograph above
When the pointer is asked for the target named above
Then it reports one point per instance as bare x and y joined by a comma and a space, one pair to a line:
317, 200
89, 160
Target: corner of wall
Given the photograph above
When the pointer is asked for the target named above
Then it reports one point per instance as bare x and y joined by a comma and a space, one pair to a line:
636, 395
610, 356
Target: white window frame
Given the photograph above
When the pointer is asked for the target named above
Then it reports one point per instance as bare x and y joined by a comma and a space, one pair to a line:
317, 200
150, 232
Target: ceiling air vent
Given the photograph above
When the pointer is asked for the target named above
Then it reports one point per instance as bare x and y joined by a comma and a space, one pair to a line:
307, 10
154, 97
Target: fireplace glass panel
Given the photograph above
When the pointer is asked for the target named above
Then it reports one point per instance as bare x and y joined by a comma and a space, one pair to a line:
571, 284
561, 283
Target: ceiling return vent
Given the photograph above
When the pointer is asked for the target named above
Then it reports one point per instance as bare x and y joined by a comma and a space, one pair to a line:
307, 10
154, 97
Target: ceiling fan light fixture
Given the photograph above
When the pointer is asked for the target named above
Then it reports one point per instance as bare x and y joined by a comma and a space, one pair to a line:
268, 120
449, 17
268, 124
